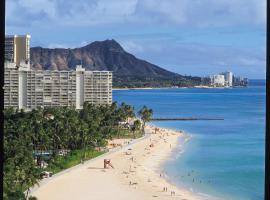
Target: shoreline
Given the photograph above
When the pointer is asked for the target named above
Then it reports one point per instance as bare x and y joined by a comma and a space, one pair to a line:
135, 176
198, 87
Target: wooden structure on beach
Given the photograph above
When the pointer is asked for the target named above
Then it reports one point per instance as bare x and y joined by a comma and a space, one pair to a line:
107, 162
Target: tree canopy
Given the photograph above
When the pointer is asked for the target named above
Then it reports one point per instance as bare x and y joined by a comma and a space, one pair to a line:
145, 114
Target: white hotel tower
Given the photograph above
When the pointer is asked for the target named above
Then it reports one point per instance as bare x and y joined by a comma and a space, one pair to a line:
228, 77
27, 89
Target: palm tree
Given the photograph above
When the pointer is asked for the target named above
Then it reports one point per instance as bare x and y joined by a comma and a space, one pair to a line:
84, 138
136, 126
126, 111
146, 115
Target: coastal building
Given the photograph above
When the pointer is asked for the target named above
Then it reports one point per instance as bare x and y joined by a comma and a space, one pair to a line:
17, 49
25, 88
239, 81
224, 79
228, 78
28, 89
217, 80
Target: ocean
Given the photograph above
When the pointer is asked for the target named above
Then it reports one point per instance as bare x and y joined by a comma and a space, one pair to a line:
223, 159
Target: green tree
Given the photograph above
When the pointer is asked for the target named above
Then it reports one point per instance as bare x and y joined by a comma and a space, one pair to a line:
146, 115
29, 133
136, 126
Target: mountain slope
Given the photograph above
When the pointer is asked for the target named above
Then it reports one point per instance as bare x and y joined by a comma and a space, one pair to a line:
106, 55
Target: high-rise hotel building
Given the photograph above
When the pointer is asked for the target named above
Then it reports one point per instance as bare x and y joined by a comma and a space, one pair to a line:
228, 77
28, 89
17, 49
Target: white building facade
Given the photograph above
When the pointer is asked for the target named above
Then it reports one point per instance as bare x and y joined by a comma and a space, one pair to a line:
28, 89
217, 80
228, 77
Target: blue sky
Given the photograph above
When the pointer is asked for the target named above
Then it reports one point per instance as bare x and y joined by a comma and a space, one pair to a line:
193, 37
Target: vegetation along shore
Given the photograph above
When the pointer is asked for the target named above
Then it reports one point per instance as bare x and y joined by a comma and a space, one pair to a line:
49, 140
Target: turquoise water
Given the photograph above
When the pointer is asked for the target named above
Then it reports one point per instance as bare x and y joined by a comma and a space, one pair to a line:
225, 158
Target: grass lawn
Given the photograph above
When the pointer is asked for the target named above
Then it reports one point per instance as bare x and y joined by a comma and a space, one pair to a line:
61, 163
126, 134
73, 158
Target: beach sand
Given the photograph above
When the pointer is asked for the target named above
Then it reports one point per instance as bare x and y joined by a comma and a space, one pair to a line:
137, 173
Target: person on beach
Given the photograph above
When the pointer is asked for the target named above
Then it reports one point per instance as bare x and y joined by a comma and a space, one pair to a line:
166, 189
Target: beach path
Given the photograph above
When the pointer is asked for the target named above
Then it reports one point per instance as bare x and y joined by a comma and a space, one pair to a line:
136, 174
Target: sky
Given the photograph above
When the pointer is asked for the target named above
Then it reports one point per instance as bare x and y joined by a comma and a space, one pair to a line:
189, 37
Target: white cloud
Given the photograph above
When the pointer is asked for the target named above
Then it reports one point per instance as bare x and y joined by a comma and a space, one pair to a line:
131, 46
39, 6
67, 45
251, 61
58, 45
144, 12
65, 23
171, 11
199, 59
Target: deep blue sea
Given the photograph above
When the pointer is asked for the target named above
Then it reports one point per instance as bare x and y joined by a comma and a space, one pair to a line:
223, 158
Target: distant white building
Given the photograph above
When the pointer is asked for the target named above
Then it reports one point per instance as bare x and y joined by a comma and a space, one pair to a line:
228, 77
217, 80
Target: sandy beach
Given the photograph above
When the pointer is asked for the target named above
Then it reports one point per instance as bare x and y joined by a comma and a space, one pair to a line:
137, 173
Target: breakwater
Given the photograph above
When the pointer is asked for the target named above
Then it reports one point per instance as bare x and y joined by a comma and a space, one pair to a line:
190, 118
